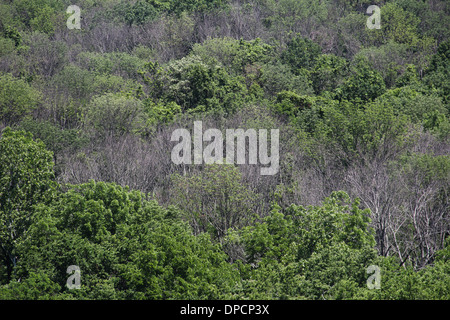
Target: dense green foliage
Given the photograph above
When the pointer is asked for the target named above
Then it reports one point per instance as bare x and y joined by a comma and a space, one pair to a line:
86, 177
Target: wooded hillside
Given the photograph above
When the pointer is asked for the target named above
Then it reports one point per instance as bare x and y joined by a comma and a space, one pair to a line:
87, 178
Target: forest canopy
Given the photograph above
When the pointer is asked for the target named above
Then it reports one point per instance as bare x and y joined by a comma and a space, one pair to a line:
87, 180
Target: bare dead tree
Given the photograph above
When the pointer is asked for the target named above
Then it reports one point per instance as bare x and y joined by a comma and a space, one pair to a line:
409, 207
371, 183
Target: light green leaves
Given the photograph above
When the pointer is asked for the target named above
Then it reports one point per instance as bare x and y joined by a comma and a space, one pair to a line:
17, 98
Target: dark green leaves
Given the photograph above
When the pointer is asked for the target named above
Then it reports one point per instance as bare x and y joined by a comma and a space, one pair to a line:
26, 180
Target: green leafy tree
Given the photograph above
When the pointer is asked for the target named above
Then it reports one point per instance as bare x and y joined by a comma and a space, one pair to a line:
38, 286
75, 81
389, 60
196, 86
293, 16
13, 34
56, 140
432, 21
235, 55
44, 20
117, 114
413, 103
290, 104
178, 7
397, 25
301, 53
438, 74
409, 77
364, 83
136, 13
115, 63
39, 15
17, 98
277, 77
377, 127
337, 272
82, 84
7, 46
126, 246
26, 176
328, 73
400, 283
304, 252
338, 220
161, 112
